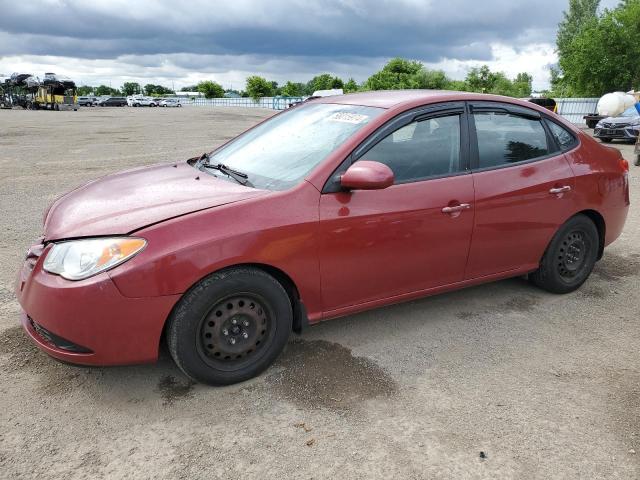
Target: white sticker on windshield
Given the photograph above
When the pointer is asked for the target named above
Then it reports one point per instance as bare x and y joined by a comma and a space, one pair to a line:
348, 117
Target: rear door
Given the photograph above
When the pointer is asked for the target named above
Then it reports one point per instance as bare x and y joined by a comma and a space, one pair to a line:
523, 188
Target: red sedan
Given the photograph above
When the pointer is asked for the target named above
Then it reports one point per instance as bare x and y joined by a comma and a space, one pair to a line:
335, 206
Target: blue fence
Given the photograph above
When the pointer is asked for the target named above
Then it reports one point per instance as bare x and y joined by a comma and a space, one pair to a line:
573, 109
275, 103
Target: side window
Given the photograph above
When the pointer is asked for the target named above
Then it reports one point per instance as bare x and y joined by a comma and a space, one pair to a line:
565, 139
420, 149
504, 138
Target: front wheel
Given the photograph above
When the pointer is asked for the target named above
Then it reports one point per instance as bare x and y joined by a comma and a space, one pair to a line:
569, 258
230, 326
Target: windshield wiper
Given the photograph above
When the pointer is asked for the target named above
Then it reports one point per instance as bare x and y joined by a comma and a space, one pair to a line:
240, 177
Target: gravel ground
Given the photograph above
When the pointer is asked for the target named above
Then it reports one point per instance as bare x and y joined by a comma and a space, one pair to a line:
497, 381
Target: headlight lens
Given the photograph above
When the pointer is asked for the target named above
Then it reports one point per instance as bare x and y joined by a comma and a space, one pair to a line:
80, 259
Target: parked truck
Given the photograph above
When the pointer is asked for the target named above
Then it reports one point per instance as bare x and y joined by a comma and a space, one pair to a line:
29, 92
56, 93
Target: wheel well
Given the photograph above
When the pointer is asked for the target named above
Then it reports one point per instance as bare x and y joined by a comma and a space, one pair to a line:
300, 319
598, 221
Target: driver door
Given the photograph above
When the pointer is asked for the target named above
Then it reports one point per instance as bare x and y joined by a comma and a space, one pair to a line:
412, 236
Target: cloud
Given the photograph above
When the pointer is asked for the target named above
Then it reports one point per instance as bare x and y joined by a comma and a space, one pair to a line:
170, 41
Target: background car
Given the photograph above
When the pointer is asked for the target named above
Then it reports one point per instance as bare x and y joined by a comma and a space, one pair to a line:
142, 101
88, 101
112, 102
624, 127
171, 102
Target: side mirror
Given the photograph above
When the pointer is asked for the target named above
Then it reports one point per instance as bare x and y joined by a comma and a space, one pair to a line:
367, 175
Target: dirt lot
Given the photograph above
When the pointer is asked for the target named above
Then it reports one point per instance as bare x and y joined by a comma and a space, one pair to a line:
546, 386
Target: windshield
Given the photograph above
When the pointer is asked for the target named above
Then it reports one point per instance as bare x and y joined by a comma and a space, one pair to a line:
630, 112
277, 154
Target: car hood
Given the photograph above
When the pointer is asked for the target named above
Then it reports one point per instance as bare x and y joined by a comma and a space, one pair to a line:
123, 202
620, 120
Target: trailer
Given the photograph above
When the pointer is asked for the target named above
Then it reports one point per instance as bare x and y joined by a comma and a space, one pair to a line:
29, 92
56, 93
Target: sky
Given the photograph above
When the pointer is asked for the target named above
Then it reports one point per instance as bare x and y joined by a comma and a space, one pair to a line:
176, 44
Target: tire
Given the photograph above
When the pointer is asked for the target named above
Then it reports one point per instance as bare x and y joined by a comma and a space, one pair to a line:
569, 258
606, 140
240, 312
637, 160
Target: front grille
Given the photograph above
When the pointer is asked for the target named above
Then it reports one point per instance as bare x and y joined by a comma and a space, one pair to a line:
57, 341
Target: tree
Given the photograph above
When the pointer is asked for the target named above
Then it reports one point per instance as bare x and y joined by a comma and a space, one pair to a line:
84, 90
351, 86
480, 80
522, 85
189, 88
397, 74
324, 81
580, 14
483, 80
105, 90
131, 88
258, 87
603, 55
431, 79
210, 89
291, 89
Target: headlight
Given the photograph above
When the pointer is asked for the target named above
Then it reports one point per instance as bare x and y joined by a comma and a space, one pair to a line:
80, 259
599, 125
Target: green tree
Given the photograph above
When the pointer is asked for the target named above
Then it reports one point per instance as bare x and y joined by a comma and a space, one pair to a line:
84, 90
258, 87
397, 74
480, 79
324, 81
522, 85
131, 88
431, 79
456, 85
210, 89
105, 90
579, 14
603, 55
189, 88
154, 90
292, 89
351, 86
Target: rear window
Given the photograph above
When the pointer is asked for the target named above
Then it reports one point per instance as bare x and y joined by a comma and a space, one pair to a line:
564, 138
504, 139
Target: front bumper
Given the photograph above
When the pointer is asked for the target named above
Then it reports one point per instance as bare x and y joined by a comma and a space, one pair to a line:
90, 322
622, 133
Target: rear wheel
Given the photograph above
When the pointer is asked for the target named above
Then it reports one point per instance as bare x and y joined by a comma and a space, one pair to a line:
230, 327
569, 258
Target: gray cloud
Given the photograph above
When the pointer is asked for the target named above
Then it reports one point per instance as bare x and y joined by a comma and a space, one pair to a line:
245, 34
427, 30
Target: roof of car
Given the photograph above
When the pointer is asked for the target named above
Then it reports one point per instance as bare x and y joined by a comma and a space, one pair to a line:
392, 98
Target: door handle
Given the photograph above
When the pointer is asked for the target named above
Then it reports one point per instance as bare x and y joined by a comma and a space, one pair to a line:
557, 190
456, 208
